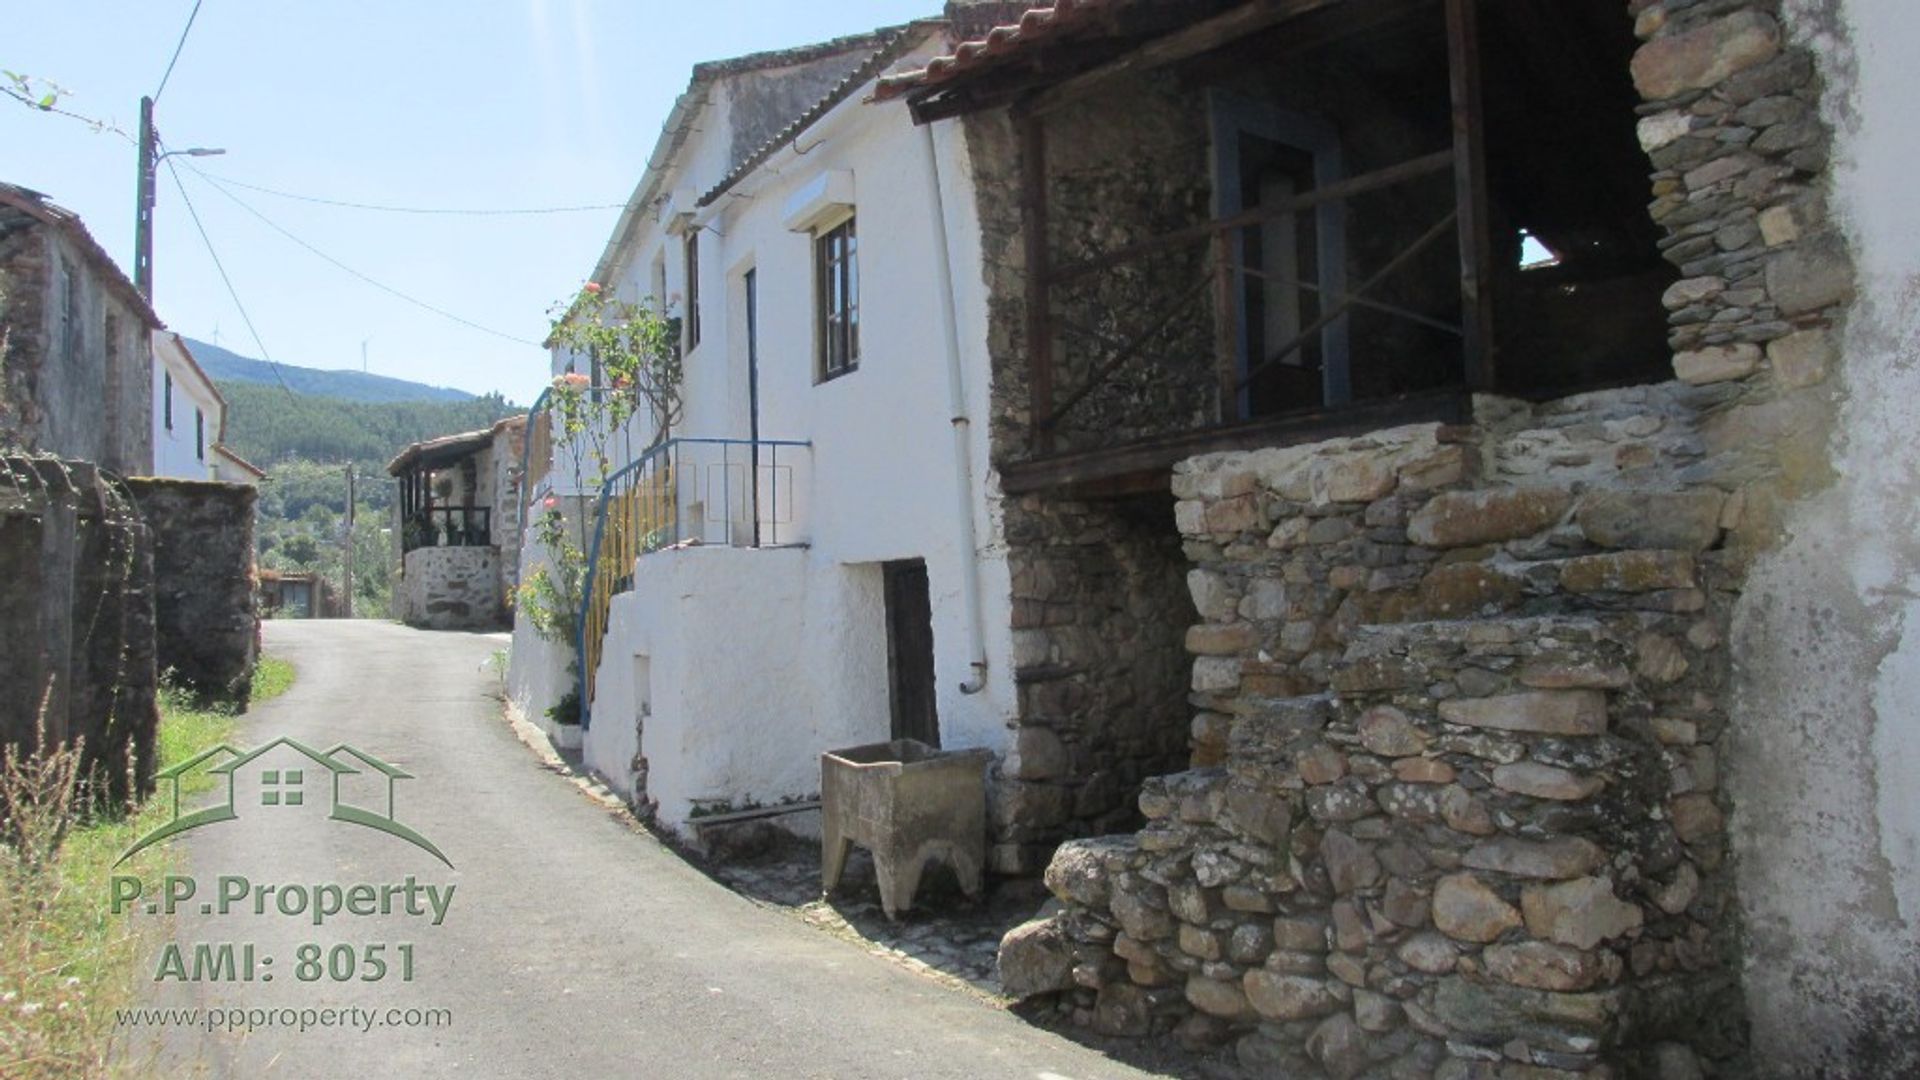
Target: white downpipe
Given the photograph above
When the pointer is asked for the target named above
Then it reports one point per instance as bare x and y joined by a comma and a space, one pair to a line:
957, 409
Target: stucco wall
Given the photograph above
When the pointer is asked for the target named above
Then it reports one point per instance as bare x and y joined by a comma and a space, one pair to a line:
1827, 814
880, 481
749, 665
174, 452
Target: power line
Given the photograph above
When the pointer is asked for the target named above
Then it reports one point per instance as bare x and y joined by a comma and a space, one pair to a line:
382, 286
181, 44
217, 265
414, 209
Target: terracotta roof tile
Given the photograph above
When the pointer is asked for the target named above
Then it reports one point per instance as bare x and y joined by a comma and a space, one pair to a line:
1035, 27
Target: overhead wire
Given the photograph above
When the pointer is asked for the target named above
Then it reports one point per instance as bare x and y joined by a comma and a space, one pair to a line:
228, 281
181, 44
368, 279
387, 209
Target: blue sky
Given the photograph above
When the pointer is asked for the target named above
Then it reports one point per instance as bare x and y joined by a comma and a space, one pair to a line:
476, 104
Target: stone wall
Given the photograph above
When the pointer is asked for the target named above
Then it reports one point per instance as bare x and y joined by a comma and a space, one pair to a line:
81, 391
77, 613
1460, 699
451, 588
1098, 609
1097, 592
509, 446
1132, 166
1471, 703
207, 626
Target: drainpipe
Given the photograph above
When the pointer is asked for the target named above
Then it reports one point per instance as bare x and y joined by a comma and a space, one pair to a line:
957, 410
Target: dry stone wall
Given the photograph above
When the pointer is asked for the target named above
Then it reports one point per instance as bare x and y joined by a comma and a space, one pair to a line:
207, 629
78, 618
1456, 808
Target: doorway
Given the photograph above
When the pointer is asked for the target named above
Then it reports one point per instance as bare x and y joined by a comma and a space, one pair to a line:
910, 651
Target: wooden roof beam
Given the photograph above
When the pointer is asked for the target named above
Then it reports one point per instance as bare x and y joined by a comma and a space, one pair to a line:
1203, 36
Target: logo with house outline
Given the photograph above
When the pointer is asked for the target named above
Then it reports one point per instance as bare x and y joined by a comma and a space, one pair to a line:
284, 787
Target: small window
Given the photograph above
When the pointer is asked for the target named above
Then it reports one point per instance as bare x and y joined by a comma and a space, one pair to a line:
199, 434
693, 289
166, 407
837, 299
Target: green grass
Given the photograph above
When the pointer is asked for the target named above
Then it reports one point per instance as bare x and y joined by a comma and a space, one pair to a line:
271, 677
65, 962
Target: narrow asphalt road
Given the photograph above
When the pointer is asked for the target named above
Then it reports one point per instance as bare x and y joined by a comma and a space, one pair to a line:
572, 945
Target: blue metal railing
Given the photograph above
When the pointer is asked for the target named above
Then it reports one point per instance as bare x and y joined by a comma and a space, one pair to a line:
668, 497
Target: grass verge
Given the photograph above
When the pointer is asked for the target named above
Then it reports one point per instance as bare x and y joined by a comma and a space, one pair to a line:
65, 963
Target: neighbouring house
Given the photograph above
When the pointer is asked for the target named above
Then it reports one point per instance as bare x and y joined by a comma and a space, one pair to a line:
298, 594
190, 419
457, 510
808, 560
1466, 447
78, 381
75, 351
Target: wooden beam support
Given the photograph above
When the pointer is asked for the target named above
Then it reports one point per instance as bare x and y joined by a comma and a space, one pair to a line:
1470, 191
1201, 37
1033, 208
1358, 185
1328, 316
1085, 469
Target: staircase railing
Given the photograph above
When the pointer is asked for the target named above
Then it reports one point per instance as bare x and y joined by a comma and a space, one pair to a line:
684, 492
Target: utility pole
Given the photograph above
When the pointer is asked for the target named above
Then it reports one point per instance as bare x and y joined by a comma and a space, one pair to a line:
346, 562
150, 158
143, 215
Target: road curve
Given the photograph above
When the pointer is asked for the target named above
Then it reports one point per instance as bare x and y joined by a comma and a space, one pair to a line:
573, 946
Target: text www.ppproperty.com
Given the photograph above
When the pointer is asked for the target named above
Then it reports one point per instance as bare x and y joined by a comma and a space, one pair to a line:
283, 1019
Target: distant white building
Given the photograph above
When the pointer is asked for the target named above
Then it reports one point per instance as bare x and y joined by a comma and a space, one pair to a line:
190, 419
807, 563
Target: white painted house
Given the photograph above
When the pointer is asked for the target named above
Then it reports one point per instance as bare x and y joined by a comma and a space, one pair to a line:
190, 419
831, 577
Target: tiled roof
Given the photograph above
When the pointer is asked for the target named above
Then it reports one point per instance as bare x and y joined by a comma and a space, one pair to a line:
47, 212
1035, 27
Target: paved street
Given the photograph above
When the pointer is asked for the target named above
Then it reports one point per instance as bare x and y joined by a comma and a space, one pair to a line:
573, 946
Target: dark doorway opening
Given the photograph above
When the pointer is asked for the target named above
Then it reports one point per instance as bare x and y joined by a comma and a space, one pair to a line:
910, 651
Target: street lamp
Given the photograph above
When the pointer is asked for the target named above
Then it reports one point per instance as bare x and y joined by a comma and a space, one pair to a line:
143, 213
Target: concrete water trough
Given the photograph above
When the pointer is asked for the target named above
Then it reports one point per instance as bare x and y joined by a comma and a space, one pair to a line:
907, 803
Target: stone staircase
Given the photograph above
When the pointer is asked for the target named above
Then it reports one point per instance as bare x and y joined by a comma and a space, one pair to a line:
1454, 807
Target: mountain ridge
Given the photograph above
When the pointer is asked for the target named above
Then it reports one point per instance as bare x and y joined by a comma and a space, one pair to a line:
226, 366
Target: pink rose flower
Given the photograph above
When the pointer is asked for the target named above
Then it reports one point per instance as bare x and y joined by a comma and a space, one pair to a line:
593, 287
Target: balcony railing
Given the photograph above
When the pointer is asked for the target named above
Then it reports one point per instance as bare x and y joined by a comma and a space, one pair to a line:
448, 526
686, 492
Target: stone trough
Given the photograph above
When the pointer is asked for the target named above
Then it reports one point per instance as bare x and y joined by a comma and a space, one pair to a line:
907, 803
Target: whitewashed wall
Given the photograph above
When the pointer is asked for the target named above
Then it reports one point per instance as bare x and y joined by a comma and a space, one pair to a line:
1827, 635
173, 450
808, 637
745, 664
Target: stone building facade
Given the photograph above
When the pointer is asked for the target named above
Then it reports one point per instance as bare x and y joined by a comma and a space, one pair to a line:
1566, 737
76, 357
459, 510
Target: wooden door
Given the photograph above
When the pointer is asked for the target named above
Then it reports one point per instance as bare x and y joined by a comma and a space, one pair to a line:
910, 651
